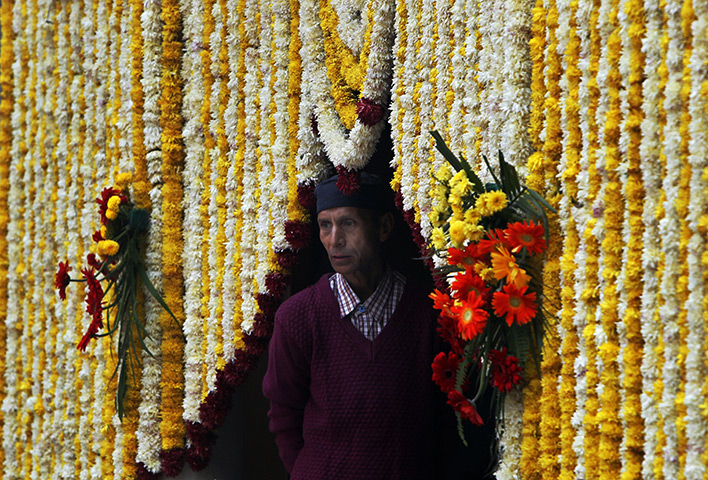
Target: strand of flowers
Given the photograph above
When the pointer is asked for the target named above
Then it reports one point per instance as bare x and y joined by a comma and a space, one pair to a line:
471, 102
6, 108
524, 464
486, 62
651, 167
347, 150
172, 428
28, 294
211, 254
457, 74
264, 167
695, 367
682, 205
635, 193
440, 78
351, 24
424, 97
516, 93
397, 112
346, 72
670, 228
86, 102
569, 171
549, 427
234, 190
147, 433
14, 236
106, 158
192, 175
657, 465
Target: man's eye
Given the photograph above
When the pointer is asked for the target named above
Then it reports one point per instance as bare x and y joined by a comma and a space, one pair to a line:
348, 223
324, 224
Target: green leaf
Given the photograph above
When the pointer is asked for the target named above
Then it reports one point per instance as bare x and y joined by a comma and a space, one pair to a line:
509, 176
456, 163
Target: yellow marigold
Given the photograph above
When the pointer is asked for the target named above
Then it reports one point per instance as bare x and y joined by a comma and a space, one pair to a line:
454, 200
458, 231
475, 232
440, 192
496, 201
107, 248
104, 231
472, 217
111, 214
438, 239
113, 204
123, 180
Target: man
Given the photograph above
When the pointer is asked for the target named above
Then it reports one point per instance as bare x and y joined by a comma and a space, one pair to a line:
349, 372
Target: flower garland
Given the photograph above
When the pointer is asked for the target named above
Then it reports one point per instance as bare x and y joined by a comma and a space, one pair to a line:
172, 429
670, 228
457, 72
348, 150
147, 432
7, 101
650, 150
633, 191
569, 170
695, 368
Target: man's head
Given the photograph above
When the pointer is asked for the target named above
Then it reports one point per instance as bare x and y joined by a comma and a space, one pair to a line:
354, 227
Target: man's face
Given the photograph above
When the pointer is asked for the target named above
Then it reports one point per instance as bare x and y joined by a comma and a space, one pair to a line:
352, 238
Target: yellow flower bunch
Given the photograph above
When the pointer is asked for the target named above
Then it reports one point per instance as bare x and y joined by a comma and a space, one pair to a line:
489, 203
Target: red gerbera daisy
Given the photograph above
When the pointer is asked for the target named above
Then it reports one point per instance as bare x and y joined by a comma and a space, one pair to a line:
441, 301
527, 235
62, 279
468, 281
94, 299
464, 258
471, 318
495, 237
448, 331
462, 404
445, 370
515, 304
506, 372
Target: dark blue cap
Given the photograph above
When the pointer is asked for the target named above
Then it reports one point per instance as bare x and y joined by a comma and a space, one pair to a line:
373, 193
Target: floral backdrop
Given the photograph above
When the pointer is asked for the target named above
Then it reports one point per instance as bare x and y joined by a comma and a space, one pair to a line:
226, 112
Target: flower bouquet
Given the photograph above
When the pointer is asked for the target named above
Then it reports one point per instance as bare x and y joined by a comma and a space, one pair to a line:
121, 269
488, 240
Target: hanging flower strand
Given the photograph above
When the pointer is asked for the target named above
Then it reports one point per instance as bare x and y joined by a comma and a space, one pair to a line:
488, 238
121, 270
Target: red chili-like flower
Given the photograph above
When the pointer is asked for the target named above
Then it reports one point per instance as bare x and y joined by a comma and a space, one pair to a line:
306, 195
506, 372
86, 339
94, 298
93, 262
62, 279
462, 405
369, 112
445, 370
347, 180
97, 236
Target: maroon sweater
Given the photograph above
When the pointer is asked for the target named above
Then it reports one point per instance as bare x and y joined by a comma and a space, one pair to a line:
346, 408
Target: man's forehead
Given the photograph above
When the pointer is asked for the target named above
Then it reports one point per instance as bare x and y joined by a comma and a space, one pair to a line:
344, 212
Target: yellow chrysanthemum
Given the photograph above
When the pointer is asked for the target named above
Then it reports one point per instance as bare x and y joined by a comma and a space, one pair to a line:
444, 173
438, 239
458, 232
440, 192
496, 201
107, 248
460, 184
472, 217
455, 200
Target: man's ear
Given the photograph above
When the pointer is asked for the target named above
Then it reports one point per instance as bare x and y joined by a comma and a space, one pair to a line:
385, 226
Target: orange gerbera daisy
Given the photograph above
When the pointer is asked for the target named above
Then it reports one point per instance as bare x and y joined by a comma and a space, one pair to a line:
468, 281
526, 234
495, 238
515, 304
505, 266
471, 318
463, 258
441, 301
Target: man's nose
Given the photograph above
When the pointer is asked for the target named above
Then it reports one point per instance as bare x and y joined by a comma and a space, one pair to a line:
337, 237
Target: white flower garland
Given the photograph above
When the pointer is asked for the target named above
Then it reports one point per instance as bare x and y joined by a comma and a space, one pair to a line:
265, 159
669, 227
352, 24
353, 149
696, 431
457, 84
650, 150
510, 437
231, 261
249, 204
515, 106
472, 104
148, 431
193, 228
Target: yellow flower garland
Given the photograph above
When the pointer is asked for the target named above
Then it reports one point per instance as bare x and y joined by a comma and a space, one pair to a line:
346, 73
633, 281
172, 429
6, 106
295, 210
